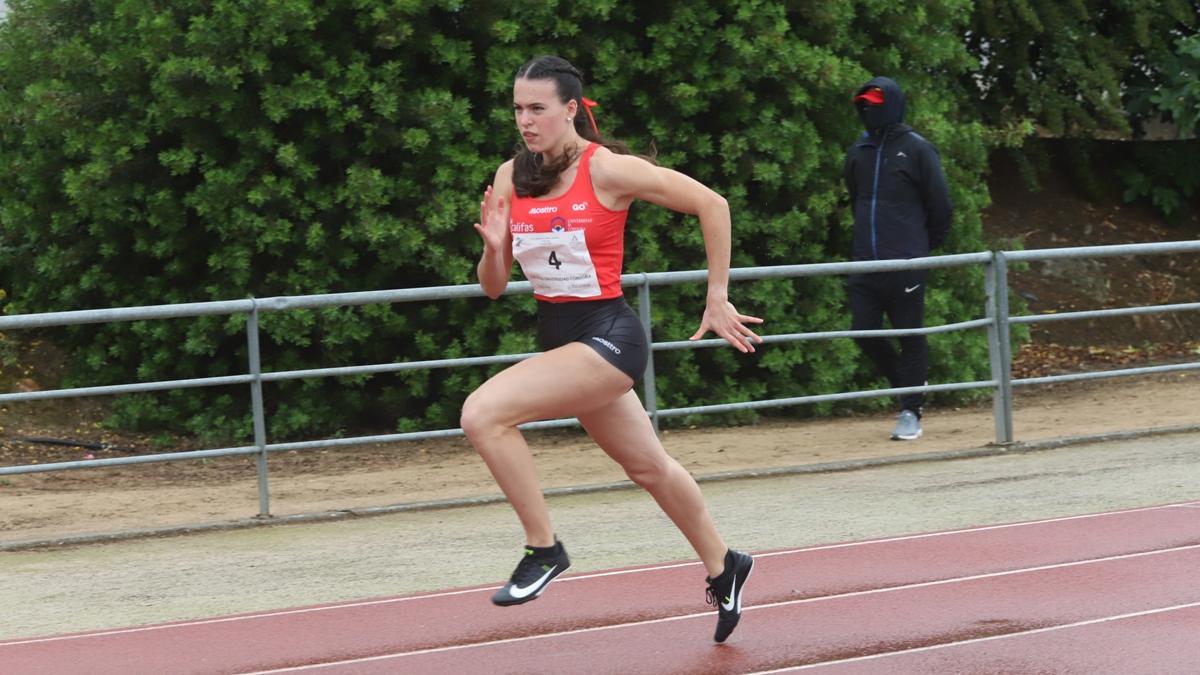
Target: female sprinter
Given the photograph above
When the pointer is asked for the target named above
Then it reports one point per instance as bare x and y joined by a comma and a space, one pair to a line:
559, 208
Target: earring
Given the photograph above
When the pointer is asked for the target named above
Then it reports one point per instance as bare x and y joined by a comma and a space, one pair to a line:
570, 118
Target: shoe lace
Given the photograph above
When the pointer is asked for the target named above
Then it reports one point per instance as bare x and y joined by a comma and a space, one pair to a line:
710, 593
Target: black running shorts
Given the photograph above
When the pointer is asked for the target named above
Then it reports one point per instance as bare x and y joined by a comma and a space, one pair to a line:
608, 326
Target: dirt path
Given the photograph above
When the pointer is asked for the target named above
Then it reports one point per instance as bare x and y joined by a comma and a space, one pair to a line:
46, 506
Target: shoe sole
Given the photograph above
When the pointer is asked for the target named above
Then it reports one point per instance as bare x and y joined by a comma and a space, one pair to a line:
911, 437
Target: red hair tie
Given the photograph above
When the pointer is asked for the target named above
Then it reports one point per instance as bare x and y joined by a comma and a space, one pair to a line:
588, 104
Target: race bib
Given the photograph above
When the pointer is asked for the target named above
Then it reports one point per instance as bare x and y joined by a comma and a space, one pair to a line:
557, 263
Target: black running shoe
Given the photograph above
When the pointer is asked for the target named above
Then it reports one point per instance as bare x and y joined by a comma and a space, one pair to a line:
725, 592
533, 574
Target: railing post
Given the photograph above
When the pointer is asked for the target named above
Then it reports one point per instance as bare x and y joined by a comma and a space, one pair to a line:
999, 345
256, 410
648, 378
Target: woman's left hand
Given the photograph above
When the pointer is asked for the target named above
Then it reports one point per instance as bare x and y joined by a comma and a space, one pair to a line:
722, 318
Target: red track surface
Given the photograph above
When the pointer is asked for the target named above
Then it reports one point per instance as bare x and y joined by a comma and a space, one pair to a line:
1113, 592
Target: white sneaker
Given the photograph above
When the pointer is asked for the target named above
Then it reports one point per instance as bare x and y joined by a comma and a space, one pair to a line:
908, 426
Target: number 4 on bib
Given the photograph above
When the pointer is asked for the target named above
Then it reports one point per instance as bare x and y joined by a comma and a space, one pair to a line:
557, 263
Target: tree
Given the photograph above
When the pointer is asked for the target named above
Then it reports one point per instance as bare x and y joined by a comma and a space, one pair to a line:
1068, 66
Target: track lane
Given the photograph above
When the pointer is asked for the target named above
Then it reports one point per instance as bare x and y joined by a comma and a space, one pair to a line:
355, 630
801, 632
1153, 641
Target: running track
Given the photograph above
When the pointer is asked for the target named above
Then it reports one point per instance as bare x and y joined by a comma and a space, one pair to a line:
1111, 592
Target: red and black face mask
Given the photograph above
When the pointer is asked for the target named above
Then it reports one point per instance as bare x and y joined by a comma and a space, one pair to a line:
870, 106
880, 103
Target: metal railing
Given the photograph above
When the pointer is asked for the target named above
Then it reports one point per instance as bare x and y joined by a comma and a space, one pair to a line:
997, 322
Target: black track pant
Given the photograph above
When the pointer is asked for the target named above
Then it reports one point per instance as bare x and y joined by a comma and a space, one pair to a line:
901, 296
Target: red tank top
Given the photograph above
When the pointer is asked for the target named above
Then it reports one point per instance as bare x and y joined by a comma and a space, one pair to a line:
570, 247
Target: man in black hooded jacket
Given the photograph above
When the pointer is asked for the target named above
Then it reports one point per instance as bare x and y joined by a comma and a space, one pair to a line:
901, 210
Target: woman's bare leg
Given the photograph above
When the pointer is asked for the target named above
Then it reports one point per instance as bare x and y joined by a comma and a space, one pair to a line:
563, 382
623, 430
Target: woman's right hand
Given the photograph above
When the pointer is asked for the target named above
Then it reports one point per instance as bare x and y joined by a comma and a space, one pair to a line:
493, 220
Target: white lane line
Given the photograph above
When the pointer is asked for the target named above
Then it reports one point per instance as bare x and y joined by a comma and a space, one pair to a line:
594, 575
981, 528
803, 601
1023, 633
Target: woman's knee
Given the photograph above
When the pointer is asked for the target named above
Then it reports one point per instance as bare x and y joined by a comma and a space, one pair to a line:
475, 418
650, 473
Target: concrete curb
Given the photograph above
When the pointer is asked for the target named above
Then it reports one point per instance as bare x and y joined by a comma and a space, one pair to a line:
743, 474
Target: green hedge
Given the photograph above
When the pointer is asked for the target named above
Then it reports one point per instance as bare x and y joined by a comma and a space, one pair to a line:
202, 150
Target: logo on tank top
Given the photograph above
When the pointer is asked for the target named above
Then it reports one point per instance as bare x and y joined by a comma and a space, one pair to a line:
517, 226
579, 206
539, 210
558, 224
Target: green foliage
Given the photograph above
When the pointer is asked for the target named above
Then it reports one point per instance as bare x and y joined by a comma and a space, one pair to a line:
1166, 174
165, 152
1068, 66
1175, 91
1087, 70
1179, 97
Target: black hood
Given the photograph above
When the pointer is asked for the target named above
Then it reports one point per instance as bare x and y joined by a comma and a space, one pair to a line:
876, 117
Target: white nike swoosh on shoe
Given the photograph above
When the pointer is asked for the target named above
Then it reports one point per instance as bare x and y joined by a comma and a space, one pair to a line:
910, 290
732, 596
518, 592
